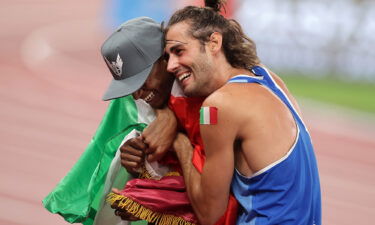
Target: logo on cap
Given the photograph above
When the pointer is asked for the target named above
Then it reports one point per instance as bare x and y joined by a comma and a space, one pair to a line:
116, 67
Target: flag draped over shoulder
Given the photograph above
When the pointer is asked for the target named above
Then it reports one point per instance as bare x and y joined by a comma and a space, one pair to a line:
78, 195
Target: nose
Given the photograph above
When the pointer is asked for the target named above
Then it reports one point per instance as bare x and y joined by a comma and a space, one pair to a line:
172, 64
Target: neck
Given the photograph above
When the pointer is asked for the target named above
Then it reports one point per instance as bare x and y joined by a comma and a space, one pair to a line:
237, 71
227, 72
224, 71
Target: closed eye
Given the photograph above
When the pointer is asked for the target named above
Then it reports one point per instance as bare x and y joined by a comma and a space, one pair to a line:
178, 51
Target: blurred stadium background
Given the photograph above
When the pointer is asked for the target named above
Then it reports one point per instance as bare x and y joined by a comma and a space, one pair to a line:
52, 78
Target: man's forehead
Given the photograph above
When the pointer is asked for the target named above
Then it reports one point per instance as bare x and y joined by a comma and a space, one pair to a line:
172, 44
177, 33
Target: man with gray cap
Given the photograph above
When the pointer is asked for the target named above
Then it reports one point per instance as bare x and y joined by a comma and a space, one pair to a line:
130, 53
134, 55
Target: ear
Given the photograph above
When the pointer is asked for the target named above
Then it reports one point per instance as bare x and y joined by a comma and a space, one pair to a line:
215, 43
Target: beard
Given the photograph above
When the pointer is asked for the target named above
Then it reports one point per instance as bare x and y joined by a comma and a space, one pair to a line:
203, 72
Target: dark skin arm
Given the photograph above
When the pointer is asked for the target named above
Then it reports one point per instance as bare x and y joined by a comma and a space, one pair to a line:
154, 142
159, 135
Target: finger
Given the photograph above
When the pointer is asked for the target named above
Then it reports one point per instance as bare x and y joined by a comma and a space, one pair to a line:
131, 166
134, 143
132, 158
134, 151
131, 149
156, 155
153, 148
139, 143
116, 191
149, 141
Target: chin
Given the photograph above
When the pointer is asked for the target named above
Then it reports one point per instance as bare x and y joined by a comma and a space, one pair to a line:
154, 105
191, 93
158, 104
187, 92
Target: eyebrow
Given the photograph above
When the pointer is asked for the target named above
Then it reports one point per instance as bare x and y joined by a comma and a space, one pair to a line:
181, 42
177, 44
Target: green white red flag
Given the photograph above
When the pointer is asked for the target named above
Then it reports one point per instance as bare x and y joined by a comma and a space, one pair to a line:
79, 196
208, 115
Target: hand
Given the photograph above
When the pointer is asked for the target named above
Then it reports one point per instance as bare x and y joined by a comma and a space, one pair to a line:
159, 135
132, 154
122, 212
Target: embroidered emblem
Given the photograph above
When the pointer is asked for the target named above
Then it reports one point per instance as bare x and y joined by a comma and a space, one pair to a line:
116, 67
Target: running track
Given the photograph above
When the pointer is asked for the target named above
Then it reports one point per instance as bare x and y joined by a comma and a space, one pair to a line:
51, 81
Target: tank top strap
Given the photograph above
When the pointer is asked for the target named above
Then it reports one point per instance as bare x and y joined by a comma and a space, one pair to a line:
263, 77
247, 79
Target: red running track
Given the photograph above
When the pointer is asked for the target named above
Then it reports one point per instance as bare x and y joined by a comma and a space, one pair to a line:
52, 78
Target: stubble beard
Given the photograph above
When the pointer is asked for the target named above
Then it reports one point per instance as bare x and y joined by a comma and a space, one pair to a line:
202, 72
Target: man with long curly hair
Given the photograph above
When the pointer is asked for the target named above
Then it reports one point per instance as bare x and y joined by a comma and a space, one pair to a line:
256, 143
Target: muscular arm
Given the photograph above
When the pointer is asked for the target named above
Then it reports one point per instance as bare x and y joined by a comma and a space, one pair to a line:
209, 191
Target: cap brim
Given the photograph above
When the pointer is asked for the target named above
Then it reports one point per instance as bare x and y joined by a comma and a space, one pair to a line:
121, 88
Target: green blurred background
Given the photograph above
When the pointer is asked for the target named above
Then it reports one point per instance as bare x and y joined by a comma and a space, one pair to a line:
329, 89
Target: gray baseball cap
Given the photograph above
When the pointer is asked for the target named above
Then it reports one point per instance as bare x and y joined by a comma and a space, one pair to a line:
130, 53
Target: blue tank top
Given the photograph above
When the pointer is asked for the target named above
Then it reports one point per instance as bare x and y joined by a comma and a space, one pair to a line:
288, 190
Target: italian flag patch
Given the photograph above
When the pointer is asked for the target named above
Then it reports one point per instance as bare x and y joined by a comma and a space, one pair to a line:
208, 115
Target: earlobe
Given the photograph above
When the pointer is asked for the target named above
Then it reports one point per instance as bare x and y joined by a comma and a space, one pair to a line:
216, 39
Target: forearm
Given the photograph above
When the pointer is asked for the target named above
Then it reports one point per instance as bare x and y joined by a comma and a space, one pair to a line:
201, 194
192, 178
167, 118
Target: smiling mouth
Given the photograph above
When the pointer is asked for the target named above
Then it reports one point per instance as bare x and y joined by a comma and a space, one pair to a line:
149, 97
184, 77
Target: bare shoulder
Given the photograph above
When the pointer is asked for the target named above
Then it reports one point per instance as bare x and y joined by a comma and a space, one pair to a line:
247, 104
237, 102
220, 97
226, 98
232, 92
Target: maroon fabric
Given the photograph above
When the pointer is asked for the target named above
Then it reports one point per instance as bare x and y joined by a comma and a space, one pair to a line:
166, 196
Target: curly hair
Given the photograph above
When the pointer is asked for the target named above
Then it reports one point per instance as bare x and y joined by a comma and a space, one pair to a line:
239, 49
